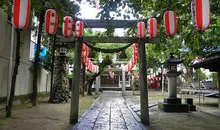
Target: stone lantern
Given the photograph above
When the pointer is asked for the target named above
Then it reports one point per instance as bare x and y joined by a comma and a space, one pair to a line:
172, 73
172, 103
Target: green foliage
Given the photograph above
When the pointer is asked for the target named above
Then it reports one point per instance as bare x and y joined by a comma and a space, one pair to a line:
203, 76
213, 76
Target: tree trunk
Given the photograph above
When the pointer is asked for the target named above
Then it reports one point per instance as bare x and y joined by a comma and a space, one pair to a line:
14, 76
91, 82
52, 67
36, 61
60, 91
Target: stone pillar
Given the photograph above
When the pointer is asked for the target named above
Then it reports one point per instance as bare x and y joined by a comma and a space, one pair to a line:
172, 87
123, 84
97, 85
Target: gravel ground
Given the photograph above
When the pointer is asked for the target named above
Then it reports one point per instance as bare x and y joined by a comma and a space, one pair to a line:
56, 116
198, 120
43, 117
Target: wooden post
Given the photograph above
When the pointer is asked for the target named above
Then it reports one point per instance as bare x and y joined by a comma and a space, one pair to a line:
123, 83
143, 83
76, 84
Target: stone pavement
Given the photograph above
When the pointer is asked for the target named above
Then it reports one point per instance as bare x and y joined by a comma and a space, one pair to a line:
109, 113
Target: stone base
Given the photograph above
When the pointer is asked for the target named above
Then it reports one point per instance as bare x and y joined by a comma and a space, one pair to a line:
166, 107
172, 100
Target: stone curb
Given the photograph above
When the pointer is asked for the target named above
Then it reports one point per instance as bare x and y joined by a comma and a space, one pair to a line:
136, 117
85, 113
204, 111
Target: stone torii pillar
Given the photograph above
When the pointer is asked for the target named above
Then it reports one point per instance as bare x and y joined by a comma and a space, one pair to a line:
97, 85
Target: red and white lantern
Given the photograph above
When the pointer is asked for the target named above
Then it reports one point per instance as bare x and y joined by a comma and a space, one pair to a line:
141, 30
170, 22
201, 14
79, 27
85, 50
67, 26
152, 27
21, 13
51, 21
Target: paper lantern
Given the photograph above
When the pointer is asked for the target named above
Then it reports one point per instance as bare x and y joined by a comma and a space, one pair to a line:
152, 27
51, 21
79, 27
85, 50
135, 50
83, 47
170, 22
67, 26
141, 30
201, 14
21, 13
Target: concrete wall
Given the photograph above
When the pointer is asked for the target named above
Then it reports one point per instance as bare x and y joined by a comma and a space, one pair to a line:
24, 78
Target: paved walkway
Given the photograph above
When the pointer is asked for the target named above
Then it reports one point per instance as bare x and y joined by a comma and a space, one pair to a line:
109, 113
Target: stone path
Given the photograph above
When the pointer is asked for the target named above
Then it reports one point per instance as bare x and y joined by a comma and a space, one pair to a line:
109, 113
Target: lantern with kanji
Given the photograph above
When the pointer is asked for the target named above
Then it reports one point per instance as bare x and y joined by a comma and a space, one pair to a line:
170, 22
67, 26
21, 13
51, 21
152, 27
141, 30
201, 14
79, 27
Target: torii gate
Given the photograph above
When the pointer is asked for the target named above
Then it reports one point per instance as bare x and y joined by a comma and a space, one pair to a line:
141, 60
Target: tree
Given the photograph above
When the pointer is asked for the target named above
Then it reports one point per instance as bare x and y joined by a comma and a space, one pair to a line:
14, 76
62, 7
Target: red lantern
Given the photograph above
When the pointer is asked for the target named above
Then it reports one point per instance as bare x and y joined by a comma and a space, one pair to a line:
51, 21
83, 47
141, 30
21, 13
67, 26
85, 60
85, 50
170, 22
79, 29
152, 27
201, 14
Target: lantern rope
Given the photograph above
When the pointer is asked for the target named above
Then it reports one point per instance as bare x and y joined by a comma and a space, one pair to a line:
108, 50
